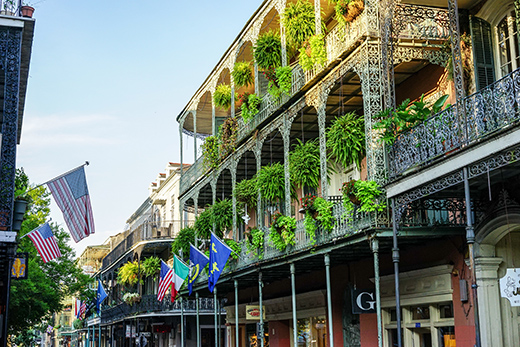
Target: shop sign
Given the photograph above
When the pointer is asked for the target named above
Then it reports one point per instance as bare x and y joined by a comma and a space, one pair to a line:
253, 312
363, 301
510, 286
19, 267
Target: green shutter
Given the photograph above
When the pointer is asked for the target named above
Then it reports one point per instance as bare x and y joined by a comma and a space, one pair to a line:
482, 44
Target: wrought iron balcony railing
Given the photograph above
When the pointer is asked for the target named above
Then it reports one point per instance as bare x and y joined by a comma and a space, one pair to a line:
149, 303
10, 7
475, 118
165, 230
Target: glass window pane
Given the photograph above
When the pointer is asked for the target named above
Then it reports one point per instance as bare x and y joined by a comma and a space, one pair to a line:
446, 336
420, 312
446, 310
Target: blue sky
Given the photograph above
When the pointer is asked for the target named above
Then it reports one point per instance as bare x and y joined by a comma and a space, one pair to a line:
106, 82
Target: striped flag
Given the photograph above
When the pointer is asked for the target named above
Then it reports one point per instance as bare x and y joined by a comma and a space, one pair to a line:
181, 271
45, 242
77, 305
165, 280
82, 309
71, 194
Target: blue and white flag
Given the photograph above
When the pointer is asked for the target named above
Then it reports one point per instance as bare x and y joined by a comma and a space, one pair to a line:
101, 295
218, 256
198, 261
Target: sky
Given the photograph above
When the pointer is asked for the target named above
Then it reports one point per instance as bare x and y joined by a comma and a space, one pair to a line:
107, 80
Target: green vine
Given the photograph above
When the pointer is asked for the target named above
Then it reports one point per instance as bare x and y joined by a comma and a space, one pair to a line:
242, 74
250, 105
281, 232
281, 83
228, 133
235, 247
150, 266
313, 53
211, 152
255, 242
346, 140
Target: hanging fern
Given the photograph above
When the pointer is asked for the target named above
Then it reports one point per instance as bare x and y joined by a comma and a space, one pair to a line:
268, 50
313, 53
242, 74
150, 266
128, 274
271, 183
181, 245
281, 232
299, 22
222, 96
346, 140
246, 192
222, 215
304, 164
204, 224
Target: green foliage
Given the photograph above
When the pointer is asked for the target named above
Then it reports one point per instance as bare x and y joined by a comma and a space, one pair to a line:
150, 266
313, 53
222, 96
255, 242
181, 244
324, 217
394, 123
78, 324
246, 192
228, 136
211, 152
367, 192
235, 247
299, 22
282, 84
250, 105
242, 74
281, 232
35, 300
128, 274
309, 224
347, 10
304, 164
131, 298
346, 140
268, 50
271, 183
204, 224
222, 216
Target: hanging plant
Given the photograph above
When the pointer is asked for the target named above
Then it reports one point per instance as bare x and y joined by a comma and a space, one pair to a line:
222, 216
368, 194
348, 10
235, 247
128, 274
255, 242
304, 164
299, 22
271, 183
394, 123
228, 136
282, 230
222, 96
313, 53
211, 152
246, 192
131, 298
181, 244
242, 74
204, 224
250, 105
268, 50
151, 266
324, 217
280, 81
346, 140
317, 210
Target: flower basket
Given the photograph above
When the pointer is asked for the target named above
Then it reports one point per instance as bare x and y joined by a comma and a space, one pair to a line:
353, 9
348, 191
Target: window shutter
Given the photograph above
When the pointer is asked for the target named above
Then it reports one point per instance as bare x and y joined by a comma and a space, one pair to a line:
482, 43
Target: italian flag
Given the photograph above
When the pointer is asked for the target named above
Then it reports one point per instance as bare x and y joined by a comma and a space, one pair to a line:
180, 273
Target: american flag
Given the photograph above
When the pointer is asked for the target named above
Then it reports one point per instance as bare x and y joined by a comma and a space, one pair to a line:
71, 194
82, 309
77, 305
165, 280
45, 242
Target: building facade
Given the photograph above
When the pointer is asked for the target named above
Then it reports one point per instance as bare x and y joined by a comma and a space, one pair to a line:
422, 269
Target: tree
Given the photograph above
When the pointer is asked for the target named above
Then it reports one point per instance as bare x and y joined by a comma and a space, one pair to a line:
37, 298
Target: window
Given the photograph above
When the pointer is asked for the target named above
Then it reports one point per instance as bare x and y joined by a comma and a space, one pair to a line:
507, 40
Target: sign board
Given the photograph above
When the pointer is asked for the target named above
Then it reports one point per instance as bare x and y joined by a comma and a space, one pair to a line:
510, 286
8, 236
363, 301
20, 266
253, 312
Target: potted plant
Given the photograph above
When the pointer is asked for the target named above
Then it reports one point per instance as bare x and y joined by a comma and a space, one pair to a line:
181, 244
211, 152
255, 242
128, 273
271, 183
27, 10
228, 136
222, 96
268, 50
279, 81
366, 192
204, 224
304, 164
317, 211
246, 192
348, 10
131, 298
299, 22
346, 140
8, 8
242, 74
313, 53
151, 266
250, 104
282, 230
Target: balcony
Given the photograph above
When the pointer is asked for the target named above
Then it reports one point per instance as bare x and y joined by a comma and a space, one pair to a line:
414, 24
149, 304
165, 230
11, 8
476, 118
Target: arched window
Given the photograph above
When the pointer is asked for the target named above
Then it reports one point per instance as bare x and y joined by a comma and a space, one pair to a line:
507, 40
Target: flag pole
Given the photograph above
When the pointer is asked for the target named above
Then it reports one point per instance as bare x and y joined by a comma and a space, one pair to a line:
56, 178
34, 230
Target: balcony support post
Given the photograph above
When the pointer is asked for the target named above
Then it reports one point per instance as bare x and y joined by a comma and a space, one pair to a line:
232, 83
233, 170
517, 15
322, 114
470, 239
213, 184
215, 316
285, 130
213, 119
181, 126
257, 80
330, 324
258, 157
198, 317
386, 13
395, 258
260, 302
237, 335
88, 336
194, 113
99, 332
375, 249
182, 321
293, 299
317, 16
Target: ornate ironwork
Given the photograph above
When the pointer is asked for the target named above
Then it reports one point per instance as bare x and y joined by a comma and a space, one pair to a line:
420, 23
10, 43
491, 109
458, 73
285, 130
